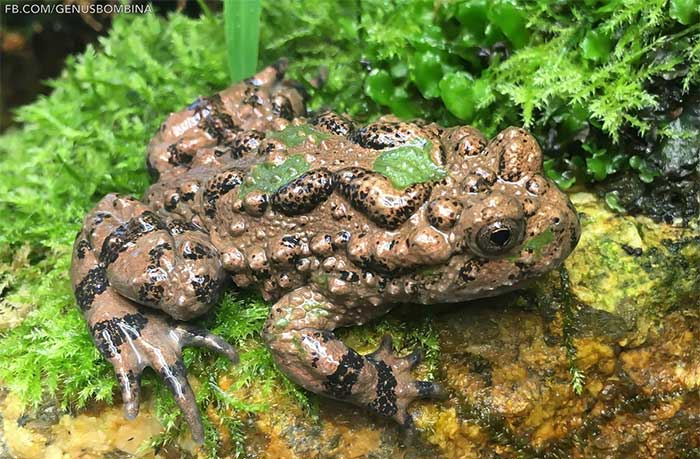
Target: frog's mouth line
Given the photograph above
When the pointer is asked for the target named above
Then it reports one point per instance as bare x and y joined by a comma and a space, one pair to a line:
455, 297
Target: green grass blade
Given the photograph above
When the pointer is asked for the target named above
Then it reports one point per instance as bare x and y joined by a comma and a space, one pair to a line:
242, 22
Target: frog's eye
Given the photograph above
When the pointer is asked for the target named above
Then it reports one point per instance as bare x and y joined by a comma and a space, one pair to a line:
500, 236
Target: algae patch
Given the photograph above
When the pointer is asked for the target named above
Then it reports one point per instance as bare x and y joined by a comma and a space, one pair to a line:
409, 164
293, 136
270, 177
537, 243
622, 265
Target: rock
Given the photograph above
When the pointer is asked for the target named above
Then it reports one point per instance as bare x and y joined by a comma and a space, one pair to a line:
674, 193
601, 359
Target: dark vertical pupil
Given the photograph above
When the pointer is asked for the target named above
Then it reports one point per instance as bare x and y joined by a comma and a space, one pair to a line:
500, 237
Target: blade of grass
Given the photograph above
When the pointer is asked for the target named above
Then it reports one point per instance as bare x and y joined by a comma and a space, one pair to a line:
242, 22
205, 8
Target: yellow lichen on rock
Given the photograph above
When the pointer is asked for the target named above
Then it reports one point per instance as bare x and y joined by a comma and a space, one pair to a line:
591, 352
85, 435
669, 361
22, 442
456, 439
627, 265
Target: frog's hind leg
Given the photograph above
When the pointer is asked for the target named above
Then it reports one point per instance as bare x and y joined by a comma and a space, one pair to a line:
130, 336
228, 125
299, 332
168, 265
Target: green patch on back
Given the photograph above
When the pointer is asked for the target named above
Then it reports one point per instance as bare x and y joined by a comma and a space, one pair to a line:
321, 280
293, 136
409, 164
269, 177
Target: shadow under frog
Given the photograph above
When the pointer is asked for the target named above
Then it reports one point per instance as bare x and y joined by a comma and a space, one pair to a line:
336, 244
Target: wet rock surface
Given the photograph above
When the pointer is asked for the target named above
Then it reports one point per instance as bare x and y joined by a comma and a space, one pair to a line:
620, 326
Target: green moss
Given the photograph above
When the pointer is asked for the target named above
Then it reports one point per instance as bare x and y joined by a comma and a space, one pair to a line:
490, 63
85, 140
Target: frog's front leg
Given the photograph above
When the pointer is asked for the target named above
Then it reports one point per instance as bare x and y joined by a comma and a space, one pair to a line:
123, 251
299, 332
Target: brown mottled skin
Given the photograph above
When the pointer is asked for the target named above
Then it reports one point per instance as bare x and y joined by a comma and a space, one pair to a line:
337, 246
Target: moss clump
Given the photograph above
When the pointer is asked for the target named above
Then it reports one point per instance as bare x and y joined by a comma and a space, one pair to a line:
582, 77
86, 139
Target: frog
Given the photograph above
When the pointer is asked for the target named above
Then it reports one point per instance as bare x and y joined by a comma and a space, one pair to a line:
252, 191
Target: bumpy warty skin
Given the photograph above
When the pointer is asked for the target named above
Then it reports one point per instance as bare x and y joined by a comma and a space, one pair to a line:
335, 245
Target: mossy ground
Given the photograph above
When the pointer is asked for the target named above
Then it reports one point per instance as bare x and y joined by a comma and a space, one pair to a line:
88, 138
84, 140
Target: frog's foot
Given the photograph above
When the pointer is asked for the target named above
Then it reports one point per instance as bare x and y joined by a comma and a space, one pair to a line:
134, 341
396, 386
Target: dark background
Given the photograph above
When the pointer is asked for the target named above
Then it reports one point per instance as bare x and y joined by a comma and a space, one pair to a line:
34, 47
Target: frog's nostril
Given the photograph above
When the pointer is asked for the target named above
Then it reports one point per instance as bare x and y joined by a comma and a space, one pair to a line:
443, 213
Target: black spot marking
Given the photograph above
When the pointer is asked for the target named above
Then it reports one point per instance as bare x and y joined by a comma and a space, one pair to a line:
205, 288
83, 245
101, 216
181, 226
171, 203
215, 121
196, 251
219, 186
385, 402
252, 97
157, 252
110, 334
126, 235
349, 276
151, 293
339, 384
333, 123
290, 241
94, 283
245, 142
177, 156
282, 107
382, 135
372, 263
304, 193
470, 271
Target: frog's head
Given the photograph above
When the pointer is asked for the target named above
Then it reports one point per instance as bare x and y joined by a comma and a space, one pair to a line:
496, 220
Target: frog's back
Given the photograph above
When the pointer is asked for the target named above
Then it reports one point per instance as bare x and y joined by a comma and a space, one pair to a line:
282, 209
290, 201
